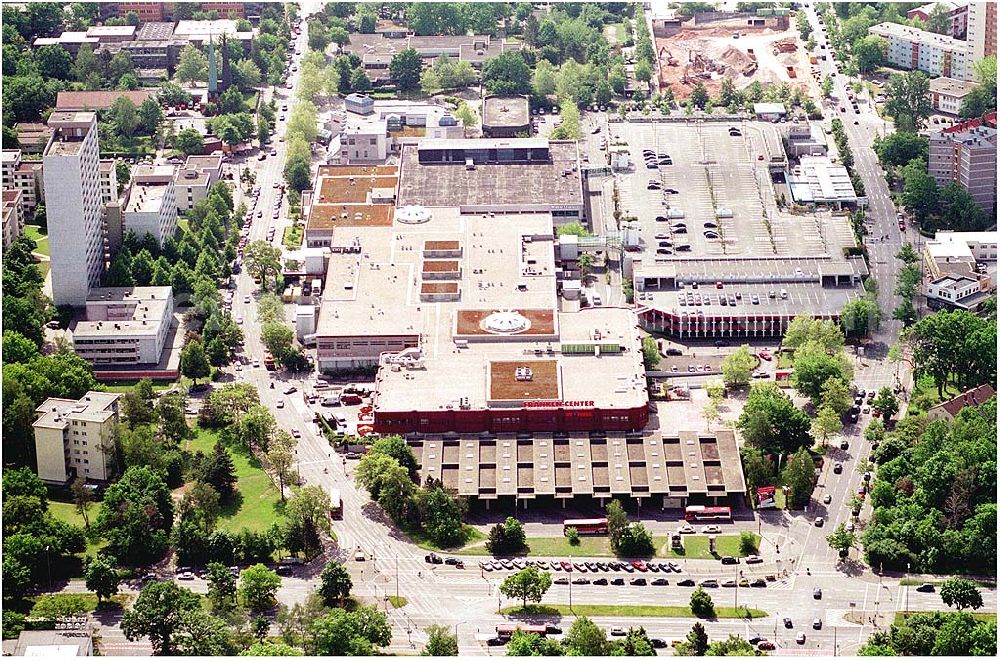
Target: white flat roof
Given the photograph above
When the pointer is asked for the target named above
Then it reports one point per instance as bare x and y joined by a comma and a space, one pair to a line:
897, 31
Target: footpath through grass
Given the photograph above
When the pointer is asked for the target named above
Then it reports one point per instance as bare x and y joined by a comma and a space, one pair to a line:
695, 546
612, 610
258, 504
40, 237
67, 512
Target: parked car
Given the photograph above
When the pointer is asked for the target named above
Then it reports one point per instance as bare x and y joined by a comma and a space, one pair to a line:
925, 587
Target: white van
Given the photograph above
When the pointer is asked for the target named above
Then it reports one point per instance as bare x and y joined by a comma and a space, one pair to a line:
597, 299
784, 294
331, 401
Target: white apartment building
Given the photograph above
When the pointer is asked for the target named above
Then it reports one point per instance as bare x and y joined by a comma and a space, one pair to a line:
947, 94
981, 32
24, 176
13, 217
193, 180
73, 206
124, 325
151, 207
957, 291
959, 252
936, 54
109, 182
71, 437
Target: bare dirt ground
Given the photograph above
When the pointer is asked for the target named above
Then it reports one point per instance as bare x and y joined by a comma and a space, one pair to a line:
710, 53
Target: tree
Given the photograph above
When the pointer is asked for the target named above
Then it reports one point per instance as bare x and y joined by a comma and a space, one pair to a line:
814, 366
271, 649
898, 149
277, 337
529, 584
404, 70
827, 86
573, 229
125, 116
841, 540
194, 365
748, 543
799, 476
83, 499
507, 73
297, 175
859, 317
650, 353
221, 587
192, 65
939, 20
635, 542
757, 467
585, 638
278, 458
263, 260
102, 578
836, 396
358, 633
617, 522
440, 642
907, 100
805, 329
738, 366
507, 538
697, 640
172, 94
701, 604
869, 52
699, 95
136, 516
961, 593
258, 585
335, 583
319, 36
231, 102
771, 422
732, 646
54, 62
189, 141
157, 614
887, 403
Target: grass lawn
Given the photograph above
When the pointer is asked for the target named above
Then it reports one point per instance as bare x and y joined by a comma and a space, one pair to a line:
40, 237
292, 237
785, 360
902, 615
258, 504
398, 602
67, 512
596, 610
925, 395
80, 602
696, 546
472, 536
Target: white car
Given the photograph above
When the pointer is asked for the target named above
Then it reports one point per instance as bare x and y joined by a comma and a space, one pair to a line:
239, 319
711, 530
281, 404
686, 530
256, 363
296, 433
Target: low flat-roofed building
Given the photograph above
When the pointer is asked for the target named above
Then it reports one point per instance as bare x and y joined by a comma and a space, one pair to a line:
959, 252
973, 397
71, 41
766, 293
818, 180
529, 175
947, 94
345, 197
506, 116
957, 292
360, 104
769, 112
201, 32
32, 136
806, 139
13, 217
192, 181
73, 438
124, 325
99, 100
53, 644
112, 33
151, 207
661, 470
493, 352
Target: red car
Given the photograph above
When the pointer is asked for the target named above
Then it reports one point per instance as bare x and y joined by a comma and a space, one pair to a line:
765, 645
640, 565
765, 355
566, 566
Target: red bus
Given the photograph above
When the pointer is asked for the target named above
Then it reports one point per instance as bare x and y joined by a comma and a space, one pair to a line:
505, 631
268, 361
702, 513
587, 526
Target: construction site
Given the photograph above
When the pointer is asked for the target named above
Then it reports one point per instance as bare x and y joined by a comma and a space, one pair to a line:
742, 50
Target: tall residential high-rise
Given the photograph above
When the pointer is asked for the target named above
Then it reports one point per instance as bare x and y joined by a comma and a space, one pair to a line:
982, 30
966, 154
73, 206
